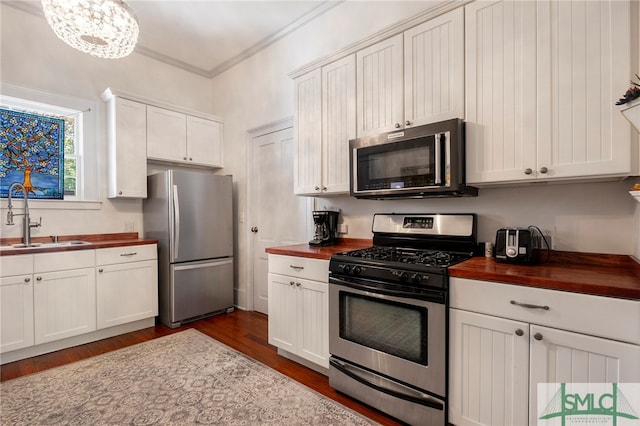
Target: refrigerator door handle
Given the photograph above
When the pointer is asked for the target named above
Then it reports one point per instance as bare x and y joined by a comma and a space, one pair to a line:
176, 222
201, 265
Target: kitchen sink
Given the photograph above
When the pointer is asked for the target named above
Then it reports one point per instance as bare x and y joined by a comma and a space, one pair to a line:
46, 245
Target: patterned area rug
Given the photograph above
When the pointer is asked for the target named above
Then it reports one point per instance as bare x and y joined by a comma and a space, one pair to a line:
183, 378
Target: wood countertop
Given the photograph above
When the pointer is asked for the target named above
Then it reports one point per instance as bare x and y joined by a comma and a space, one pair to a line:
321, 252
598, 274
95, 241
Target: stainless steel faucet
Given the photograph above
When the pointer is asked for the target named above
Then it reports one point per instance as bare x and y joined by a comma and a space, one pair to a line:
26, 220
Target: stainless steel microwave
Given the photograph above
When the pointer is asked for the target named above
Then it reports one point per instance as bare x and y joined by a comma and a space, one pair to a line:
416, 162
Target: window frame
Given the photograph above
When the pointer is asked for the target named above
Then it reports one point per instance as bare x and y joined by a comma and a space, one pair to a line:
88, 189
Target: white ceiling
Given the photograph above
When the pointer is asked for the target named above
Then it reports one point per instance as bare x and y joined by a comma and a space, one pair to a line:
208, 37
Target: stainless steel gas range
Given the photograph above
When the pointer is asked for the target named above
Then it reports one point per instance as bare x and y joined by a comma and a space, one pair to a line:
388, 322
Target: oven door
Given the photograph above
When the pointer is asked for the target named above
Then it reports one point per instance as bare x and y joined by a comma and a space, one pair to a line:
390, 333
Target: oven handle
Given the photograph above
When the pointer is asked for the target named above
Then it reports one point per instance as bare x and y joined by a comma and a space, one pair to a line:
437, 296
422, 400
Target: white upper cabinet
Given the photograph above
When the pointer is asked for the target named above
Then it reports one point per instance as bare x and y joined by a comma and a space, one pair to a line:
338, 123
127, 150
308, 134
434, 70
166, 134
182, 138
325, 122
413, 78
204, 141
379, 80
541, 82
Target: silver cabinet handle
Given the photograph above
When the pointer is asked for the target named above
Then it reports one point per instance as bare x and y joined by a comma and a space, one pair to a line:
27, 280
519, 332
537, 336
39, 279
397, 125
292, 283
317, 188
543, 170
530, 306
298, 284
297, 268
254, 229
129, 254
407, 123
324, 188
528, 171
100, 270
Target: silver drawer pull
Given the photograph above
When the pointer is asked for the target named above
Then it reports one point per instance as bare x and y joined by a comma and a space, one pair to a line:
530, 306
297, 268
128, 254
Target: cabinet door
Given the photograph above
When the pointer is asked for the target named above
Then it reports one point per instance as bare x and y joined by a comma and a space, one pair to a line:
307, 162
313, 321
126, 292
16, 312
583, 65
379, 79
204, 141
166, 135
488, 370
500, 76
127, 149
563, 357
283, 312
434, 70
338, 123
64, 304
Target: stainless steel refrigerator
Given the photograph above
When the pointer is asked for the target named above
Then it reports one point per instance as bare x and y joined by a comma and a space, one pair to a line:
190, 214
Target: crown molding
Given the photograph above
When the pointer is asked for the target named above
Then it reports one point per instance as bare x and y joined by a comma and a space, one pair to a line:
31, 7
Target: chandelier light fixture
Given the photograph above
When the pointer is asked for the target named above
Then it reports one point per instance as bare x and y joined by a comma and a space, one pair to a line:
102, 28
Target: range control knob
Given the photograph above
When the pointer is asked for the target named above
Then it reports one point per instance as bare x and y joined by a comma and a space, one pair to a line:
403, 276
345, 268
357, 270
417, 278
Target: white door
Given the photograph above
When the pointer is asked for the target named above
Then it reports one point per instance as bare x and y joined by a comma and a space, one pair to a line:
488, 372
559, 356
278, 217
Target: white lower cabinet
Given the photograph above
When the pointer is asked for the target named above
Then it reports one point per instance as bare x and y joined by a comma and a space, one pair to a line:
127, 284
64, 295
16, 303
497, 362
299, 307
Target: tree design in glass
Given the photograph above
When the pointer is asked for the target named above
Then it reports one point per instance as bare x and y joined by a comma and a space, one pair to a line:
32, 153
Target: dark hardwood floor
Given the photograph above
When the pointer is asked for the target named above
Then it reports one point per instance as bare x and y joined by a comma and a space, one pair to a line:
242, 330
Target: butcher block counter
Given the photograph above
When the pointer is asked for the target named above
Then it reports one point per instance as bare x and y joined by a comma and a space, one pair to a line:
598, 274
89, 241
321, 252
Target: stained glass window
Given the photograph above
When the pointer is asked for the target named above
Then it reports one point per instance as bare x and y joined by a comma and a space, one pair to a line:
32, 153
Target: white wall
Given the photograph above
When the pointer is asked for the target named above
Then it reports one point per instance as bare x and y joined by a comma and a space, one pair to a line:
595, 217
34, 58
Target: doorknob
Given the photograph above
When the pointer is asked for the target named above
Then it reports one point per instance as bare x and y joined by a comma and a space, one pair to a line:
254, 229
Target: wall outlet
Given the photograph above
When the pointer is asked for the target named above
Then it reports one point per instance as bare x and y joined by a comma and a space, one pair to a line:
548, 235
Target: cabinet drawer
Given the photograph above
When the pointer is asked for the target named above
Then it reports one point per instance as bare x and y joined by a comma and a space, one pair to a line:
126, 254
16, 265
582, 313
300, 267
60, 261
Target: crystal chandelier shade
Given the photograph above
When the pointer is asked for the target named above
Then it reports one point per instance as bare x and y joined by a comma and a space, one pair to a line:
102, 28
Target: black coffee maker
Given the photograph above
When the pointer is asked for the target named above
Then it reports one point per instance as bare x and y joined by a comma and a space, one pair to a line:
326, 226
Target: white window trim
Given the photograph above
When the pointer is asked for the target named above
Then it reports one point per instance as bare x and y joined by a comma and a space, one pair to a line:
90, 187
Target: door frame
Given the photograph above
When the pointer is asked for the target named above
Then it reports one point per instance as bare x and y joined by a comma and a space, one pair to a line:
253, 133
